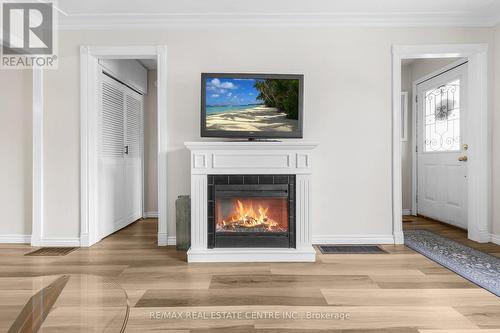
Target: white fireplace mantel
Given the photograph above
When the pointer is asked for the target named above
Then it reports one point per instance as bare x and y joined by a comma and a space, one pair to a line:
246, 157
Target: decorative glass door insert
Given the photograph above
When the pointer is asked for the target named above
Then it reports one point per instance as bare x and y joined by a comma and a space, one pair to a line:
442, 118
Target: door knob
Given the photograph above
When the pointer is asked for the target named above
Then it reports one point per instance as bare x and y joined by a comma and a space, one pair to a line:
463, 158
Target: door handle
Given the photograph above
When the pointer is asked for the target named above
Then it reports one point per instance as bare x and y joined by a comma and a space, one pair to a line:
126, 150
463, 158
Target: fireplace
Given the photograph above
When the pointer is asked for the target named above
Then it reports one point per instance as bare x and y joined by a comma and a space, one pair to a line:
250, 201
251, 211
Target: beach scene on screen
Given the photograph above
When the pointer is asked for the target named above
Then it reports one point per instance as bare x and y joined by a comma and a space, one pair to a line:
252, 105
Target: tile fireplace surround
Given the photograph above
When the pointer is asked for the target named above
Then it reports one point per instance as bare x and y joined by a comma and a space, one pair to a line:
251, 158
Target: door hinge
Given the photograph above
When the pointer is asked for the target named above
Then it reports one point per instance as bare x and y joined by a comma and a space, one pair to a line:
416, 98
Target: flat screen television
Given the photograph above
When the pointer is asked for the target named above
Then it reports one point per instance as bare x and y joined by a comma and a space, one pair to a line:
254, 106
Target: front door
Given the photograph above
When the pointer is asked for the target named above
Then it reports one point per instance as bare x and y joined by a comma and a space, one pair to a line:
442, 148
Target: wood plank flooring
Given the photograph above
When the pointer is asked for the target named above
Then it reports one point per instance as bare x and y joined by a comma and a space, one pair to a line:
398, 292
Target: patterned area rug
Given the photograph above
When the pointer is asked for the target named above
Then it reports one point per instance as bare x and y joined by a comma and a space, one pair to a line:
478, 267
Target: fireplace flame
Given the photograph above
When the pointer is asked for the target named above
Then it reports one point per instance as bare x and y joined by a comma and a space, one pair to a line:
246, 218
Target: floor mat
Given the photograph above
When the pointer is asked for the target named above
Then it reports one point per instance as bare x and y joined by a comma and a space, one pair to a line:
478, 267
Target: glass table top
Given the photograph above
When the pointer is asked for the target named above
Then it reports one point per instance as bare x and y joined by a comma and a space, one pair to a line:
62, 303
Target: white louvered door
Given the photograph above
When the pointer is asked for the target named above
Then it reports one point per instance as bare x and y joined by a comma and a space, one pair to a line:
133, 155
120, 163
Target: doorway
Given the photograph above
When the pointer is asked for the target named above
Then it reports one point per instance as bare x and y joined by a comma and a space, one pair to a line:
441, 146
90, 137
434, 148
127, 143
478, 136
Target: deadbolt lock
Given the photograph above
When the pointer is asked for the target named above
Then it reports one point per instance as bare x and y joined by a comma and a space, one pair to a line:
466, 146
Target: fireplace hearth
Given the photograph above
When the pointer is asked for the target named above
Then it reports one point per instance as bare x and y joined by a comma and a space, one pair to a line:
251, 211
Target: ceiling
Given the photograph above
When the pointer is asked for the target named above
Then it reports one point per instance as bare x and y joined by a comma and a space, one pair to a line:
349, 12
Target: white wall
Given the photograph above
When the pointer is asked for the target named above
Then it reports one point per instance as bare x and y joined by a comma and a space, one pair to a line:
347, 109
412, 71
16, 151
496, 139
151, 146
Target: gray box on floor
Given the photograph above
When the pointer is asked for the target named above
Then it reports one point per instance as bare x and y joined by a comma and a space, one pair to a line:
183, 222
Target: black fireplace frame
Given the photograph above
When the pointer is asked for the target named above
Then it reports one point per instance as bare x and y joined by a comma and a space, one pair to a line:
252, 186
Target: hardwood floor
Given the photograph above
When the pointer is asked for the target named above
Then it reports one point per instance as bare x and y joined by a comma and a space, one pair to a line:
457, 234
401, 291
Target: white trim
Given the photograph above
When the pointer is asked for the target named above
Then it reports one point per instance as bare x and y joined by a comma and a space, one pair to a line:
100, 21
161, 78
60, 242
289, 144
88, 147
352, 239
15, 239
143, 168
406, 211
397, 193
495, 239
37, 172
89, 133
150, 215
162, 239
480, 237
479, 186
414, 164
171, 240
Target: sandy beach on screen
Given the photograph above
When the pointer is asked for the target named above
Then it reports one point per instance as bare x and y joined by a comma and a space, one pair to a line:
256, 119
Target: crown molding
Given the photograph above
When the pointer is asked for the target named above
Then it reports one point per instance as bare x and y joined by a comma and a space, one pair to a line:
155, 20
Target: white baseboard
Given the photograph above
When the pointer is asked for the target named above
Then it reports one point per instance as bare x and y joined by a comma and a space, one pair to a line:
15, 239
60, 242
399, 238
495, 239
162, 239
150, 215
406, 212
482, 236
84, 240
353, 239
171, 240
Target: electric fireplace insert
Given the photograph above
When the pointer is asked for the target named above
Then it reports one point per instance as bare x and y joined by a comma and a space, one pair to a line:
251, 211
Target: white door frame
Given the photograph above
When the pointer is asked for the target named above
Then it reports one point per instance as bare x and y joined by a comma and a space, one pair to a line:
479, 135
415, 83
38, 135
89, 107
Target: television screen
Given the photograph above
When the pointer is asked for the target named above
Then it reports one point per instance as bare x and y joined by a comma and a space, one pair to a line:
251, 105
